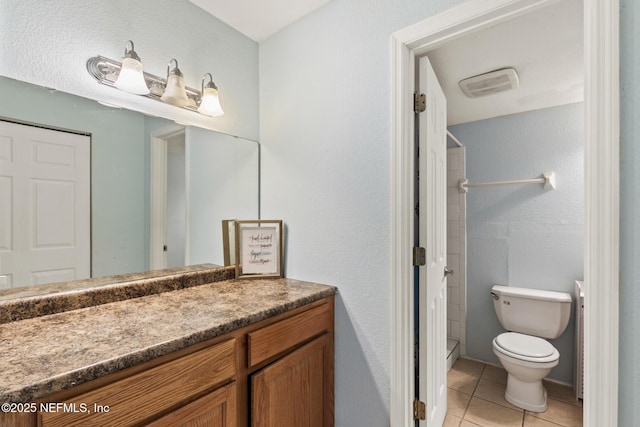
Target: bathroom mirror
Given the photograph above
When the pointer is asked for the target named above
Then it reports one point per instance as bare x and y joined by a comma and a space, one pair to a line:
212, 176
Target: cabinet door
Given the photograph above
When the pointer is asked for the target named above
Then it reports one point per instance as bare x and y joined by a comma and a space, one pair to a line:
295, 391
216, 409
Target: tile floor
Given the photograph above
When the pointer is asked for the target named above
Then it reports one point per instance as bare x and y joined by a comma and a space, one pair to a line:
476, 398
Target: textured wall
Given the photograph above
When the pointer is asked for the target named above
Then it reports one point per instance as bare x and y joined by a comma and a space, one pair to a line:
48, 43
324, 130
523, 235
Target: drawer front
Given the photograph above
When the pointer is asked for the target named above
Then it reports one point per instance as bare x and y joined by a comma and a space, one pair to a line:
286, 334
137, 398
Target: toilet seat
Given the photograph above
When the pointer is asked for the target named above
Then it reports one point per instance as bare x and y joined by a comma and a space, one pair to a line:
526, 347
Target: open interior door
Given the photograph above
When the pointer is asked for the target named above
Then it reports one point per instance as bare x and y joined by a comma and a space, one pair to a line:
432, 226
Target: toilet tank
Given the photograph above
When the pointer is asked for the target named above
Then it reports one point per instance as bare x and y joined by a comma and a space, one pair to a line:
532, 311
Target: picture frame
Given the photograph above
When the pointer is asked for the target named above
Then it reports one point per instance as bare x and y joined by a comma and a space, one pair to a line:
229, 241
259, 249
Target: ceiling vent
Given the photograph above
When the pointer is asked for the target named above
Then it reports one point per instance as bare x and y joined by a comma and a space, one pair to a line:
490, 83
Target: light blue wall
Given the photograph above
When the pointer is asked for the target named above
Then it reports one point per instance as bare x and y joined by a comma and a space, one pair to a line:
324, 98
629, 396
523, 235
222, 183
324, 130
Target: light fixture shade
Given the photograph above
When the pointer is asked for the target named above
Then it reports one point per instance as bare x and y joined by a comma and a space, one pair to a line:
175, 92
131, 79
210, 104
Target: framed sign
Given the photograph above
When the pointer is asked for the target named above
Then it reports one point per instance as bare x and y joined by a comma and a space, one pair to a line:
259, 249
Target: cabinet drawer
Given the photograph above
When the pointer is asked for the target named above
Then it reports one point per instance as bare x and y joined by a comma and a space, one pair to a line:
286, 334
137, 398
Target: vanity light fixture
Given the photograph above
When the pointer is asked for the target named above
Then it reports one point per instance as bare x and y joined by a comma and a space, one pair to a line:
171, 90
174, 92
210, 103
131, 77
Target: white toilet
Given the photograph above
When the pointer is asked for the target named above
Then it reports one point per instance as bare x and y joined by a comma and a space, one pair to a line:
529, 315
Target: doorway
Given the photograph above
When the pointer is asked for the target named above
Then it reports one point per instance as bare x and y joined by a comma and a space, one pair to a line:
530, 123
176, 204
602, 190
168, 199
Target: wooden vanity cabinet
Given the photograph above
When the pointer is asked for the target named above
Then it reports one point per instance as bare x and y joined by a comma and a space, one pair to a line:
276, 372
140, 397
294, 391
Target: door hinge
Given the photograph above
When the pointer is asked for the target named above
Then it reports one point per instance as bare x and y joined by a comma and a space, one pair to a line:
164, 248
419, 410
419, 256
419, 102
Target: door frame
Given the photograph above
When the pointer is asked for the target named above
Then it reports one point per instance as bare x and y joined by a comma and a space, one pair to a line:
602, 192
158, 195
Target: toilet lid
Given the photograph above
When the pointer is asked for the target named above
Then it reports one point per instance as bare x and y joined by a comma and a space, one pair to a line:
525, 345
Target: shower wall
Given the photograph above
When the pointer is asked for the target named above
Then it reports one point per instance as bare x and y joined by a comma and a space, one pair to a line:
456, 248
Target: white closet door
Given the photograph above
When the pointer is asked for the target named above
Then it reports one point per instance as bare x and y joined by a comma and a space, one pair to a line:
45, 226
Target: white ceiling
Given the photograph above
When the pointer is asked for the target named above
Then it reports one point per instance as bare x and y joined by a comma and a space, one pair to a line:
259, 19
545, 47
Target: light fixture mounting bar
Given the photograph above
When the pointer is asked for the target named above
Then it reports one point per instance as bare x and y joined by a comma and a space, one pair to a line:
106, 71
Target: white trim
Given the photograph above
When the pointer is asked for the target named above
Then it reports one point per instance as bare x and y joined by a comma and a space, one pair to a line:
602, 198
601, 192
402, 387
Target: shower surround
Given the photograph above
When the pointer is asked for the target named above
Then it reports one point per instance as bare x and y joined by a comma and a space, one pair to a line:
456, 249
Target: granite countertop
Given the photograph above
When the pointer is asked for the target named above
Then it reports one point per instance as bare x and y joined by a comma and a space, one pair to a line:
35, 301
96, 283
42, 355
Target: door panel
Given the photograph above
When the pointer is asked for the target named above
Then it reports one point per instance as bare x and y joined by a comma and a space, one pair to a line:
53, 231
292, 391
6, 213
432, 384
45, 220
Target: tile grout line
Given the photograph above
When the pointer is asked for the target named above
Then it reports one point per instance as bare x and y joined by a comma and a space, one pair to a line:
473, 392
523, 412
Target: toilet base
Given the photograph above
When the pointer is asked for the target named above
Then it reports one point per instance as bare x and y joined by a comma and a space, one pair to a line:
531, 396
